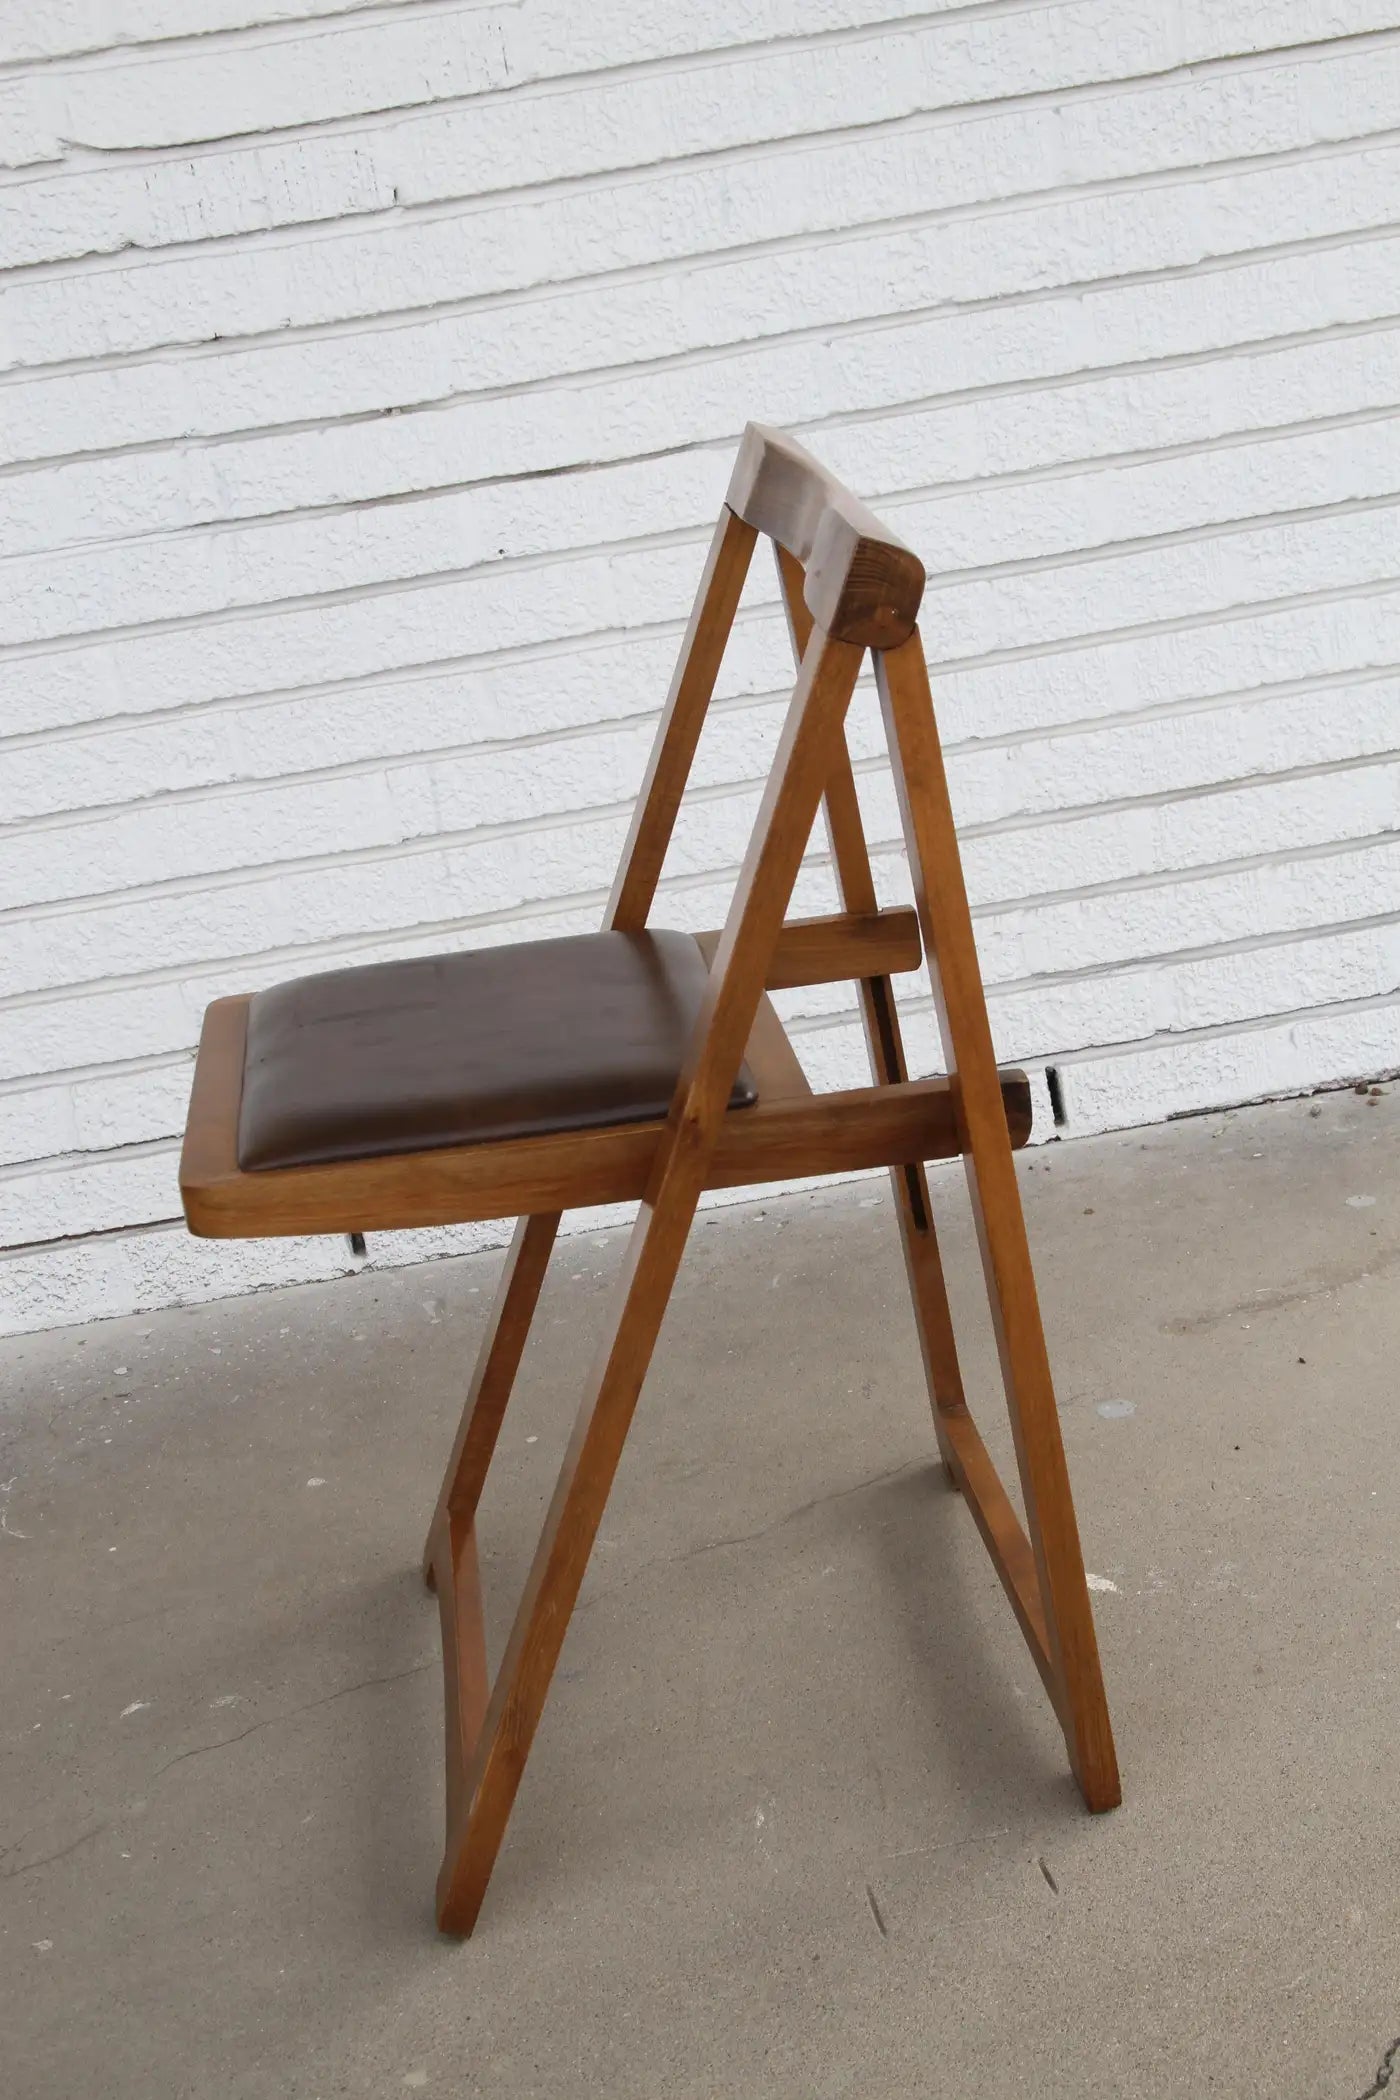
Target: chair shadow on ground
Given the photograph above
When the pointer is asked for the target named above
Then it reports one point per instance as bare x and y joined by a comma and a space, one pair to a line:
965, 1731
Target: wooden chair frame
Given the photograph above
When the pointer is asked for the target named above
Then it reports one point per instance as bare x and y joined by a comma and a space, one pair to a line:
849, 586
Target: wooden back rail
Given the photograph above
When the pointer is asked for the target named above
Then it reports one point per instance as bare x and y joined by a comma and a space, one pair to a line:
848, 585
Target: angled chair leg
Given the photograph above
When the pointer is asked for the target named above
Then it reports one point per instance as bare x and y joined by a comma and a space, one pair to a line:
551, 1590
918, 1237
498, 1360
806, 753
1075, 1677
923, 1264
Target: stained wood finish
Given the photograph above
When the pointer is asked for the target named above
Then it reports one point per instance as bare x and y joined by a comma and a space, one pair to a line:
860, 583
833, 1133
933, 1319
839, 564
800, 770
682, 719
507, 1331
931, 840
866, 943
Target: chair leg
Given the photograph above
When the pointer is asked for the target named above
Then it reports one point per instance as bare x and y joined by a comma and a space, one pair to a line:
502, 1347
488, 1792
806, 752
1074, 1675
885, 1044
850, 852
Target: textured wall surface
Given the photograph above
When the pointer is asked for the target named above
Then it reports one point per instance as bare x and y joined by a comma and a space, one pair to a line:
369, 378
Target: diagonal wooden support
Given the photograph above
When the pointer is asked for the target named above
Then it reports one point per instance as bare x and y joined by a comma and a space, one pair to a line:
654, 1253
923, 1264
1071, 1647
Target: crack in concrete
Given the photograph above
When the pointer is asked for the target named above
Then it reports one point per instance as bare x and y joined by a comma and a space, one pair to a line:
749, 1538
1385, 2071
1320, 1285
13, 1873
225, 1742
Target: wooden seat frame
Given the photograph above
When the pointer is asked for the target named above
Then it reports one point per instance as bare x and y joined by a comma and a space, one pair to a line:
848, 586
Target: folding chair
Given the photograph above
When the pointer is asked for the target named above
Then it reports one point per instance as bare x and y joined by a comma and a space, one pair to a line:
634, 1065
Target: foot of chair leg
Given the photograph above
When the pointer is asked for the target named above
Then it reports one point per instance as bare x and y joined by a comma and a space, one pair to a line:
459, 1893
1095, 1769
1102, 1794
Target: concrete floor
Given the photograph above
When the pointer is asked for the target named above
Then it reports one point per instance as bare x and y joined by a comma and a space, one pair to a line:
797, 1821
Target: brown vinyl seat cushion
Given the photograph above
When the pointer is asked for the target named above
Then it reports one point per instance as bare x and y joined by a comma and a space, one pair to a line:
458, 1049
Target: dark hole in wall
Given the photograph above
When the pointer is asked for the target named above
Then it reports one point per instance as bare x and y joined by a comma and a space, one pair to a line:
1057, 1095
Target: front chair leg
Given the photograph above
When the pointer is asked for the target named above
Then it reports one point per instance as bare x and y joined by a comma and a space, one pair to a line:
487, 1792
498, 1360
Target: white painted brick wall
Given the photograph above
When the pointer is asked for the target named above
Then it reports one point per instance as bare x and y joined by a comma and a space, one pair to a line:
368, 380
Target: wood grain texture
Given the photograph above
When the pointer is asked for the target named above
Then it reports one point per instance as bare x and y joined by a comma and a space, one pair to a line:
456, 1576
849, 944
502, 1346
802, 764
832, 561
682, 719
789, 1130
860, 582
884, 1041
931, 839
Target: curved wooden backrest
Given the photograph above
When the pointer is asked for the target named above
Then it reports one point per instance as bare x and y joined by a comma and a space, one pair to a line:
861, 584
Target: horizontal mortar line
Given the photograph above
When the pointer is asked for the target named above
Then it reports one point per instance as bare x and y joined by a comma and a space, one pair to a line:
1126, 1045
17, 1248
1082, 466
1254, 1025
847, 1017
392, 938
1207, 951
607, 639
679, 536
305, 28
541, 822
646, 718
874, 768
920, 1004
1180, 536
84, 159
1079, 467
61, 1162
93, 1074
387, 762
1172, 623
392, 675
91, 159
1197, 872
326, 947
1164, 798
330, 945
319, 232
674, 886
1072, 290
1052, 382
350, 594
203, 42
544, 189
808, 241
